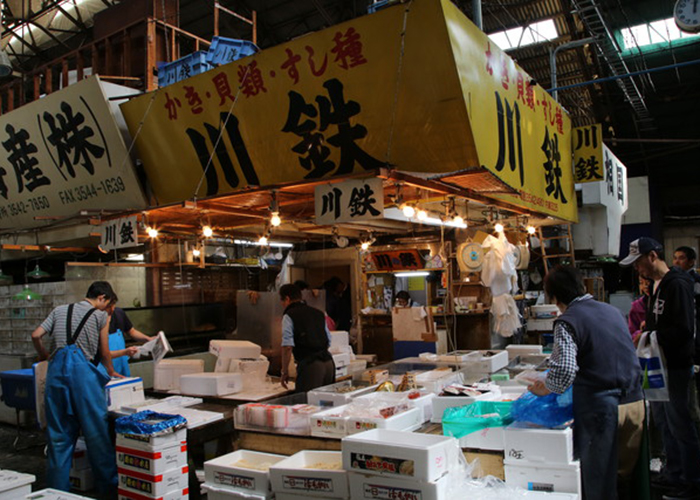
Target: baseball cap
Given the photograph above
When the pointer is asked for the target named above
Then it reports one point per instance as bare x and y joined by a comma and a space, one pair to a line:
639, 247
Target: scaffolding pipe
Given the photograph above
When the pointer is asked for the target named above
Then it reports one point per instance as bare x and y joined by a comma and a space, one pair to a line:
553, 59
476, 12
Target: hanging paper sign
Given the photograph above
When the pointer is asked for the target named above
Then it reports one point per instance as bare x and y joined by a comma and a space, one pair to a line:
349, 201
397, 260
588, 153
119, 233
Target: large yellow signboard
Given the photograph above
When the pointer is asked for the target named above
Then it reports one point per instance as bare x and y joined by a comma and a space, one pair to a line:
409, 87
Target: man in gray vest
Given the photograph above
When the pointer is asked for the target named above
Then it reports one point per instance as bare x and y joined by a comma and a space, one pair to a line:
305, 334
593, 352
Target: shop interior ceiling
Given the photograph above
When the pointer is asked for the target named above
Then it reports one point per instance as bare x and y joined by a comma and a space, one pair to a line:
650, 121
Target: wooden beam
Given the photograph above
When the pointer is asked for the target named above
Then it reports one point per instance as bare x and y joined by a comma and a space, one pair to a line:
47, 248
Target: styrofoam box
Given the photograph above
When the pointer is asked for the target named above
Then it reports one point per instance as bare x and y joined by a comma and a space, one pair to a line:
80, 456
341, 359
15, 484
436, 380
441, 403
328, 395
515, 350
540, 325
81, 479
293, 475
234, 349
217, 493
153, 486
329, 423
524, 443
124, 391
167, 373
171, 495
341, 371
223, 473
51, 494
357, 366
490, 438
387, 452
152, 462
149, 442
339, 338
408, 420
211, 384
487, 364
363, 486
458, 357
424, 401
165, 405
544, 477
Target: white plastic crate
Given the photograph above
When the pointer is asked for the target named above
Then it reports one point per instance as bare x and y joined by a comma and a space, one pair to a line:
15, 484
153, 486
224, 473
422, 457
530, 444
370, 487
329, 395
240, 349
124, 391
544, 477
152, 462
167, 373
295, 475
211, 384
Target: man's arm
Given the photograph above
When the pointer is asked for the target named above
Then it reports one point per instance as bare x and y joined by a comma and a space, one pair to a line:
140, 336
105, 353
287, 345
562, 364
38, 344
286, 359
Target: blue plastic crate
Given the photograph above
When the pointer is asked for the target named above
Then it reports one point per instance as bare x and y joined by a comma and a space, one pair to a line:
226, 50
183, 68
18, 389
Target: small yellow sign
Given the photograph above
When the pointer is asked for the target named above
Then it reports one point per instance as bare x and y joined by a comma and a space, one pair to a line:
588, 153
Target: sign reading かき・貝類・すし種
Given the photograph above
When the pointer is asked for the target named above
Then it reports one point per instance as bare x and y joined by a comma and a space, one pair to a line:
349, 201
119, 233
62, 154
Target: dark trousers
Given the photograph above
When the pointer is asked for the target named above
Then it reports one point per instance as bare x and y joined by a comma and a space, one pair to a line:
595, 441
313, 374
680, 437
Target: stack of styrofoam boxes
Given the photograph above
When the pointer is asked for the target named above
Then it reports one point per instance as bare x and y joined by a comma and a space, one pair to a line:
541, 459
124, 391
51, 494
441, 403
310, 474
167, 373
153, 465
211, 384
15, 484
241, 474
239, 357
81, 477
342, 352
392, 464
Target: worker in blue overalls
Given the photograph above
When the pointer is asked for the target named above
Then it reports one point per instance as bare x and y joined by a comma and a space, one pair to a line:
120, 327
75, 396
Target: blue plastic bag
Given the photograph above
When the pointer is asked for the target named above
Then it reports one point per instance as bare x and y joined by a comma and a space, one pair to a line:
149, 423
552, 410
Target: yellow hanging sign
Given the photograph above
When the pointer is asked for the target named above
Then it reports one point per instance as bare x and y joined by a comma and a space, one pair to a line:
588, 153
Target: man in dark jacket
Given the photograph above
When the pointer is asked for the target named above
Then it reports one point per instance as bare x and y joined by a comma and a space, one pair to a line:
306, 336
593, 352
671, 313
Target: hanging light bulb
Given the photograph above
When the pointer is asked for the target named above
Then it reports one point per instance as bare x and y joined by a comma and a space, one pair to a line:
498, 227
207, 231
421, 214
531, 229
457, 220
408, 210
152, 232
365, 245
263, 240
27, 294
275, 220
196, 252
37, 273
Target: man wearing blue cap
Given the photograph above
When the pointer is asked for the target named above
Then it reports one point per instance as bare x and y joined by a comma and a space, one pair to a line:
671, 313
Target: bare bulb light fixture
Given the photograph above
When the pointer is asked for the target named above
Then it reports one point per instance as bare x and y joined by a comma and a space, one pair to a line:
152, 232
408, 210
263, 240
531, 229
421, 214
207, 231
275, 220
498, 227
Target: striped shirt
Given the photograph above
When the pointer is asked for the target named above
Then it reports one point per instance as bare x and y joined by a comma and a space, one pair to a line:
88, 341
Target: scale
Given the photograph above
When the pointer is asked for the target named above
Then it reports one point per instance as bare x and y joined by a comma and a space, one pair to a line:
470, 257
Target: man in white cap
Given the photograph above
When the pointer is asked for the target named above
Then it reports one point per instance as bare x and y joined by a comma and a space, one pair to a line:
671, 313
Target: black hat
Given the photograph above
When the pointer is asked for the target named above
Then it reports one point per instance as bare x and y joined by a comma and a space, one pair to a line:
639, 247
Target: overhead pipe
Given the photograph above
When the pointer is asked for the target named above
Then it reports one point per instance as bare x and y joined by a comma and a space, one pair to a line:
553, 59
476, 12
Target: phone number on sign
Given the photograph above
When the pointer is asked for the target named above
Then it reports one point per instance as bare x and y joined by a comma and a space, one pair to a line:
85, 192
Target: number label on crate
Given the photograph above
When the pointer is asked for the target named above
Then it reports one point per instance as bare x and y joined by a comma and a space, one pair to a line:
378, 492
382, 464
307, 483
244, 482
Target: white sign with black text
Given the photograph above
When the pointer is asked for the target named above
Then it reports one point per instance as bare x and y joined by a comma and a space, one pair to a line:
119, 233
349, 201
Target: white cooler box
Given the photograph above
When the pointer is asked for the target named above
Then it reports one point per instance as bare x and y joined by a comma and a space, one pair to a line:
529, 444
167, 373
241, 349
486, 364
338, 394
370, 487
152, 486
15, 484
297, 475
81, 479
124, 391
339, 339
543, 476
211, 384
490, 438
51, 494
441, 403
224, 473
515, 350
158, 461
152, 442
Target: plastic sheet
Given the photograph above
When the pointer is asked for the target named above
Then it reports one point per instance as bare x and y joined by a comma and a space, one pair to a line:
149, 423
550, 411
462, 420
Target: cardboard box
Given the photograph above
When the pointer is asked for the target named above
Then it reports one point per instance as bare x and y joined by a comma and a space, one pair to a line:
406, 455
239, 349
152, 442
543, 476
329, 395
51, 494
171, 495
294, 475
211, 384
222, 473
167, 373
489, 463
153, 486
408, 420
152, 462
339, 338
370, 487
124, 391
490, 438
530, 444
15, 484
216, 493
